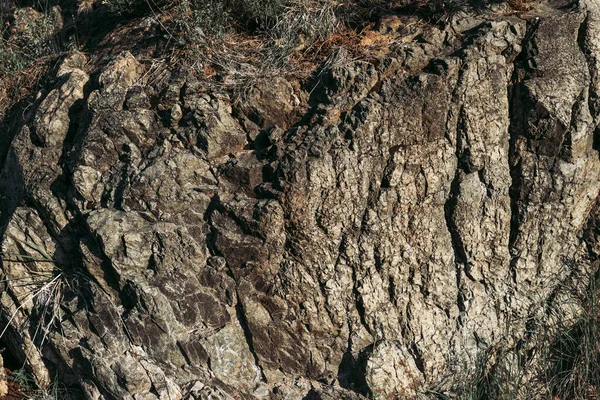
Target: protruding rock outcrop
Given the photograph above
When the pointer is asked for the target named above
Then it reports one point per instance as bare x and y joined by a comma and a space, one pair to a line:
352, 238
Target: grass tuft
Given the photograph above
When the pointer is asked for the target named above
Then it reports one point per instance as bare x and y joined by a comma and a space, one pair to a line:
40, 288
560, 360
32, 391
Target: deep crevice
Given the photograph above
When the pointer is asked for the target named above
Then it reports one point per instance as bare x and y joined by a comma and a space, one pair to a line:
352, 371
417, 356
243, 321
582, 33
360, 308
460, 254
516, 128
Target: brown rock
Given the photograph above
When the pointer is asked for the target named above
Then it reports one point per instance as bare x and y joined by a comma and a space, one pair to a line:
429, 207
3, 382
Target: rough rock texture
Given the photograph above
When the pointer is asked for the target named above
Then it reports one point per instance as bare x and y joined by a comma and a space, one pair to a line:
3, 382
362, 236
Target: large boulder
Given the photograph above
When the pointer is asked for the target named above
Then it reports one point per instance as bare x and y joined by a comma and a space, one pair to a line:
371, 236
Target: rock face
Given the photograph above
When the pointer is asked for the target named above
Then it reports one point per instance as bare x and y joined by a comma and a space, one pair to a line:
354, 238
3, 383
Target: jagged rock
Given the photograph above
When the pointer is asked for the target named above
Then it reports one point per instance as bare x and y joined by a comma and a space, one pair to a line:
270, 103
392, 372
218, 133
351, 237
3, 382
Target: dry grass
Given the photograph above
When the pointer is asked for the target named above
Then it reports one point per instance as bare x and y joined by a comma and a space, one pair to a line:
39, 287
558, 358
231, 43
519, 5
18, 85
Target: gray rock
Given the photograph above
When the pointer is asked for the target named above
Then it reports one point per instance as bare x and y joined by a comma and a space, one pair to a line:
187, 246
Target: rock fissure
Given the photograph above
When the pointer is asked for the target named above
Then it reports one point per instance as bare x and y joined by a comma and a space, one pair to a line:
241, 317
582, 36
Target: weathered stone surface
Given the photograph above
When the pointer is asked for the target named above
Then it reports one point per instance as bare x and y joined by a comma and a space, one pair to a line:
3, 382
352, 238
269, 103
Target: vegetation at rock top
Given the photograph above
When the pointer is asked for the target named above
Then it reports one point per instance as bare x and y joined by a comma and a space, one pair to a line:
231, 42
273, 35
